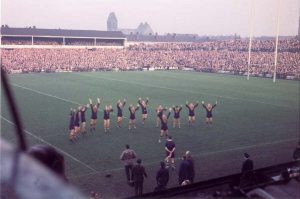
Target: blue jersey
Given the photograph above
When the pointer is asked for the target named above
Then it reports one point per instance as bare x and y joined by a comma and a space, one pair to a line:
77, 120
82, 115
132, 113
120, 111
164, 123
177, 112
144, 108
106, 113
71, 123
209, 112
191, 111
94, 113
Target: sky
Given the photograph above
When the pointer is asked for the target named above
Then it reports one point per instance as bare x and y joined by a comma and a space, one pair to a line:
202, 17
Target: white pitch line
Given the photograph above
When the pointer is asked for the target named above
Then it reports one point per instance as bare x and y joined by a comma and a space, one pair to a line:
46, 94
44, 141
53, 96
182, 90
196, 155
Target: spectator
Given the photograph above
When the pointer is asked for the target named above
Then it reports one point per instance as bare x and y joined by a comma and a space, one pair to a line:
213, 56
247, 164
247, 170
184, 171
128, 156
138, 174
50, 158
296, 154
162, 177
191, 166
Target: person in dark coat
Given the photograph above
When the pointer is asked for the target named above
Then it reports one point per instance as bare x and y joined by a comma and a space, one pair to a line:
247, 164
184, 171
138, 174
247, 170
191, 166
162, 177
296, 154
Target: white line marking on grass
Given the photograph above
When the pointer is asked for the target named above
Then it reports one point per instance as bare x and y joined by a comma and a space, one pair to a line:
246, 147
53, 96
44, 141
196, 155
182, 90
46, 94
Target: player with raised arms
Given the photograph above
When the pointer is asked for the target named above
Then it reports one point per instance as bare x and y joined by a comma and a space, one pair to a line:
176, 119
159, 111
191, 107
132, 111
106, 117
120, 106
72, 125
164, 124
83, 109
94, 115
143, 104
77, 122
209, 108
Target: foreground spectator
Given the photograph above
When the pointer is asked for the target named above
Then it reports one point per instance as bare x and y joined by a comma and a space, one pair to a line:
138, 174
184, 171
162, 177
247, 170
128, 156
50, 158
191, 166
296, 154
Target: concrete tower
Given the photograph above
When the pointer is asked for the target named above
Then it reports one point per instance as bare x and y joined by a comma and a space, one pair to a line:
112, 22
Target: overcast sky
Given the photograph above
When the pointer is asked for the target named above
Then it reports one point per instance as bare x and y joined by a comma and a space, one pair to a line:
203, 17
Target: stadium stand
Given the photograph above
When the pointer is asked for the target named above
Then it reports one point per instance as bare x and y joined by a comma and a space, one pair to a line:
37, 36
214, 56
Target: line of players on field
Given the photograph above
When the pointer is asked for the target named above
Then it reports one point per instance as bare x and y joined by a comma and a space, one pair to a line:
78, 116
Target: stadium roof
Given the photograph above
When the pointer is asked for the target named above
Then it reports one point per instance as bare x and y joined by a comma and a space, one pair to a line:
6, 31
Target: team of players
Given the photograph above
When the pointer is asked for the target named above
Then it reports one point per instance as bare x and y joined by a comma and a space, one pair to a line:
78, 116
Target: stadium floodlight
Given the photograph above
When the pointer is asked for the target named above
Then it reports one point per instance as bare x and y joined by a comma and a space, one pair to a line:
250, 37
276, 44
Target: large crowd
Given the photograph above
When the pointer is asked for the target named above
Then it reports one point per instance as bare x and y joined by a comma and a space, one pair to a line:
213, 56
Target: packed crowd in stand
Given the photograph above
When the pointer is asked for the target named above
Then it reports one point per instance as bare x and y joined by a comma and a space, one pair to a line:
212, 56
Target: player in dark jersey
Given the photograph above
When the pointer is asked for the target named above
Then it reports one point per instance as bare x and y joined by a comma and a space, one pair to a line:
106, 117
120, 106
72, 125
94, 110
176, 120
170, 152
191, 107
132, 111
77, 122
159, 111
83, 109
143, 104
209, 108
164, 124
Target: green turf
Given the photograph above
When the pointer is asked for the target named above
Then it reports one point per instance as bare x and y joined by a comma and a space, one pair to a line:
256, 116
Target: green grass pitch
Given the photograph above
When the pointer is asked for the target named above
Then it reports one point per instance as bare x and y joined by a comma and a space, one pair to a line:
255, 116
